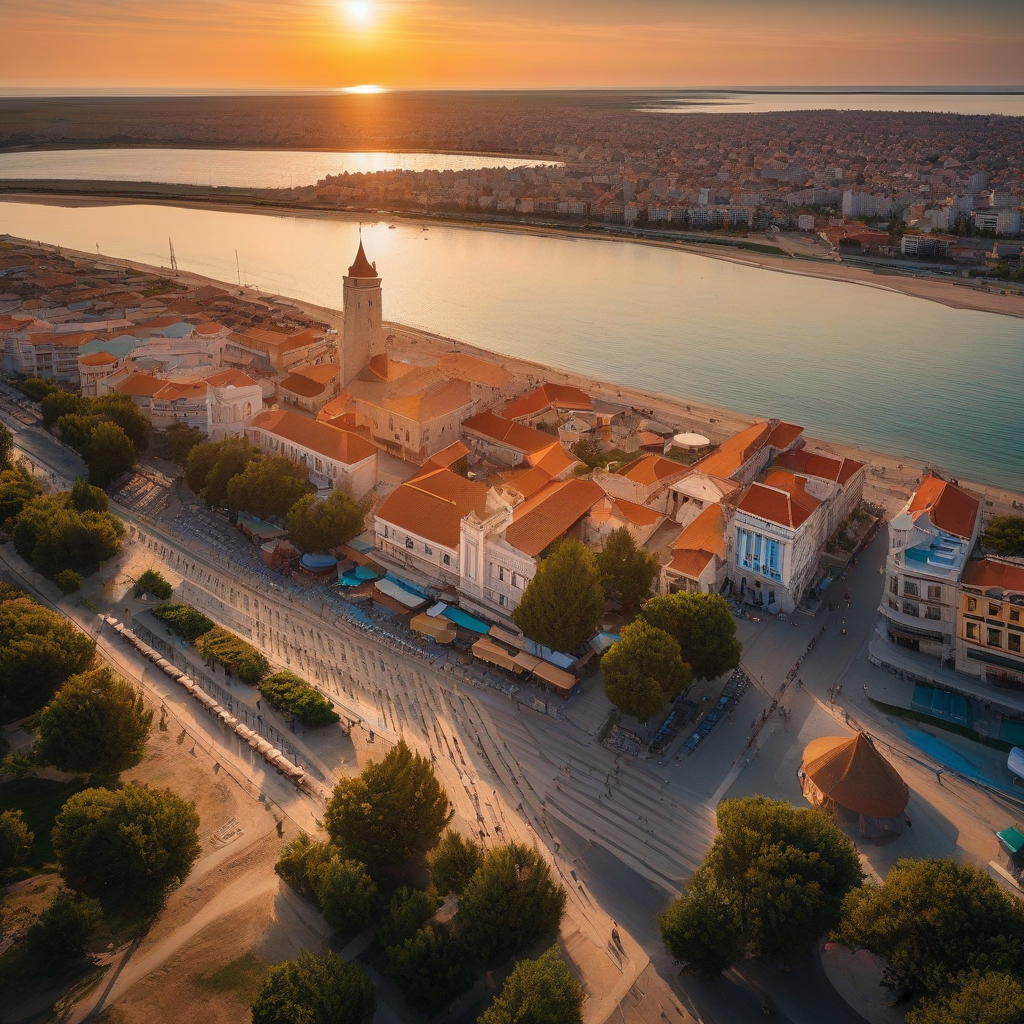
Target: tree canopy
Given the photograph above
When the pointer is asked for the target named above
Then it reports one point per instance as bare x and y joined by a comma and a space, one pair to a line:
61, 403
6, 447
346, 894
290, 693
39, 649
299, 861
36, 388
316, 526
96, 723
431, 968
509, 903
976, 999
51, 535
932, 920
643, 670
211, 466
183, 620
15, 840
453, 862
562, 604
181, 439
782, 872
1006, 535
627, 572
222, 646
315, 988
395, 809
83, 497
17, 488
152, 581
408, 911
267, 487
120, 409
111, 453
130, 843
59, 937
703, 627
541, 991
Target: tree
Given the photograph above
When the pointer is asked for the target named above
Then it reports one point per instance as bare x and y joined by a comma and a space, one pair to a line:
453, 862
52, 536
562, 604
68, 580
431, 968
17, 488
1006, 535
211, 466
977, 999
932, 920
183, 620
97, 723
289, 693
774, 882
36, 388
111, 453
153, 582
703, 627
58, 938
15, 840
39, 649
346, 894
6, 447
86, 498
702, 928
509, 903
120, 409
542, 991
132, 843
315, 526
627, 572
62, 403
76, 429
315, 989
299, 862
267, 487
394, 810
643, 670
409, 910
181, 439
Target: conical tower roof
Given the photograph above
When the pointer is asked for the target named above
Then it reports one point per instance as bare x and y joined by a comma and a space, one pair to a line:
362, 267
851, 772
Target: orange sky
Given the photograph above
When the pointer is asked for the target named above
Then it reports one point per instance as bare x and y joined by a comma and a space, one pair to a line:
326, 44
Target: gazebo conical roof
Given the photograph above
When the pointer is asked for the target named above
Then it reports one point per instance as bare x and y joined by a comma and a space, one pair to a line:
849, 771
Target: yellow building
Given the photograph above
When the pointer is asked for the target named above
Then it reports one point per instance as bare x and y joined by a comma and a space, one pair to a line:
990, 637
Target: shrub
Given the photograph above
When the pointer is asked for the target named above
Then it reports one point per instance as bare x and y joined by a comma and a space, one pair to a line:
15, 840
541, 991
454, 862
183, 620
59, 936
409, 910
299, 861
289, 693
346, 894
235, 654
153, 582
431, 968
68, 580
315, 989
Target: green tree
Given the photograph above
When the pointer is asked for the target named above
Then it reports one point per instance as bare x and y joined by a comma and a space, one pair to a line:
976, 999
17, 488
120, 409
153, 582
394, 810
408, 911
68, 580
1005, 534
562, 604
132, 843
15, 840
97, 723
299, 861
509, 903
86, 498
431, 968
703, 627
702, 928
627, 572
289, 693
643, 670
315, 989
347, 896
932, 920
76, 429
183, 620
39, 649
316, 526
267, 487
36, 389
211, 466
541, 991
453, 862
111, 453
52, 536
58, 938
6, 447
62, 403
181, 439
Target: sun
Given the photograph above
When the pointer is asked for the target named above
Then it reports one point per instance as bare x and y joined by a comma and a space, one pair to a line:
360, 12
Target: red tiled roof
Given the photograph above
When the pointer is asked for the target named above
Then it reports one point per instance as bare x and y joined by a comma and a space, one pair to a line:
541, 520
322, 373
302, 386
690, 562
433, 505
815, 464
652, 469
141, 385
230, 379
60, 340
780, 499
991, 574
949, 507
784, 435
508, 433
340, 445
734, 452
705, 533
97, 359
638, 515
362, 267
548, 396
209, 327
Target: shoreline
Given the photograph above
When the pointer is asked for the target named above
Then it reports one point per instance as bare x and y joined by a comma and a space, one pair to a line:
950, 292
890, 479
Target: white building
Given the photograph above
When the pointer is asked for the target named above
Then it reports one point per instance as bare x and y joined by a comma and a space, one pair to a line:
232, 400
863, 204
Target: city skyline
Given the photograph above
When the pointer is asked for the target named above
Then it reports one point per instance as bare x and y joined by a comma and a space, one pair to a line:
479, 44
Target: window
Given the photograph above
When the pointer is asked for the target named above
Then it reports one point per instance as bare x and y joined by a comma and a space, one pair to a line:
447, 559
910, 608
1014, 615
933, 612
995, 610
910, 588
972, 631
1013, 642
972, 604
385, 532
501, 600
409, 543
501, 573
894, 585
515, 581
427, 549
935, 593
995, 638
893, 605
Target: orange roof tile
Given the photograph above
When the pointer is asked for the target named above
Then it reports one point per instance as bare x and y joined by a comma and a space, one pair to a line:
15, 323
507, 433
526, 481
733, 453
334, 409
780, 499
176, 391
541, 520
209, 327
97, 359
362, 267
447, 457
825, 467
476, 371
340, 445
652, 469
992, 574
706, 533
784, 435
690, 562
230, 379
60, 340
302, 386
141, 385
949, 507
322, 373
638, 515
554, 461
434, 504
548, 396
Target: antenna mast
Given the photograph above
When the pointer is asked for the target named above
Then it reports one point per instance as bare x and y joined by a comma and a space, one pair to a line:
238, 269
174, 259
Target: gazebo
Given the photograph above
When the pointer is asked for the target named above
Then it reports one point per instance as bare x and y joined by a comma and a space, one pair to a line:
849, 777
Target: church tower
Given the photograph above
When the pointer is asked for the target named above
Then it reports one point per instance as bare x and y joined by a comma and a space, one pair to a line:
363, 335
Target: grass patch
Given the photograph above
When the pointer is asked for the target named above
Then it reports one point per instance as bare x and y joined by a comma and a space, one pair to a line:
760, 247
958, 730
241, 977
39, 800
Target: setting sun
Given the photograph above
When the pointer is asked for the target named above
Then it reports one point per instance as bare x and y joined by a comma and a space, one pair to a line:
360, 12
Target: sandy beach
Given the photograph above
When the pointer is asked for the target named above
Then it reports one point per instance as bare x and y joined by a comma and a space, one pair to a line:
890, 480
957, 293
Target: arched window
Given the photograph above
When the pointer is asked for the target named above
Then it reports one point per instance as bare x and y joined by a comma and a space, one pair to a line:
247, 411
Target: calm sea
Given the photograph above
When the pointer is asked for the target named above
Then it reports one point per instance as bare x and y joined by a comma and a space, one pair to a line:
850, 363
236, 168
